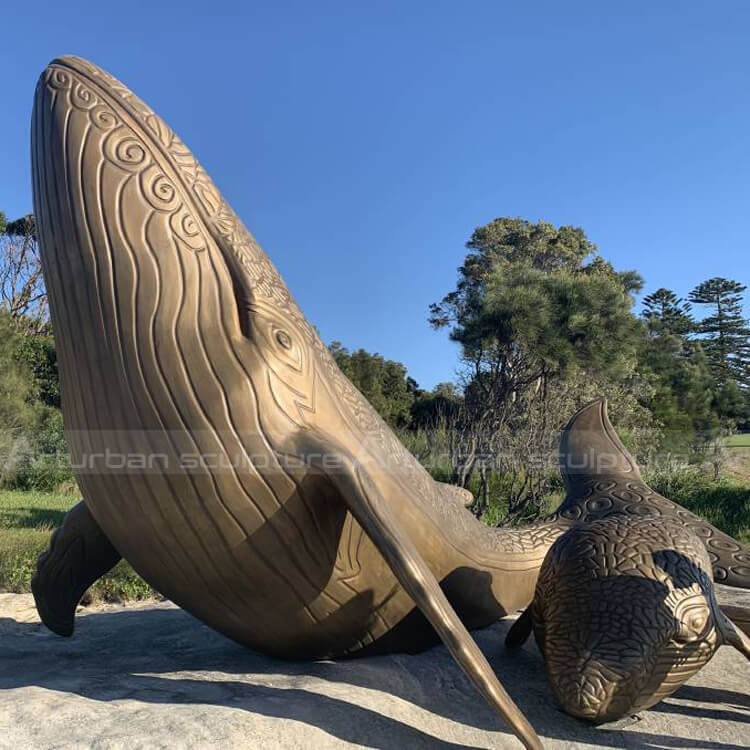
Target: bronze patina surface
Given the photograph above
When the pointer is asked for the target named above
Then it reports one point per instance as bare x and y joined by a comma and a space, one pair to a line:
259, 490
625, 613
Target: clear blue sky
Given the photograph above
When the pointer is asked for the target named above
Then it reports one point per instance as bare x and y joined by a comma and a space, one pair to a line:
363, 142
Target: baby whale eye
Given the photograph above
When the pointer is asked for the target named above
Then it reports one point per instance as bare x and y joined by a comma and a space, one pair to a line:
698, 621
693, 620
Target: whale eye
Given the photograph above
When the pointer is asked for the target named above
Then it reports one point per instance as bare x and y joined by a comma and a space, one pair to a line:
284, 339
282, 344
287, 347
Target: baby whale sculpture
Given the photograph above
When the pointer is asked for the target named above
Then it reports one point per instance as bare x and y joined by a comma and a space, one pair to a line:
218, 447
625, 613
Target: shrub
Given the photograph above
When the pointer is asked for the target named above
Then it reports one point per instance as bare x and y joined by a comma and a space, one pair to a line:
46, 467
722, 503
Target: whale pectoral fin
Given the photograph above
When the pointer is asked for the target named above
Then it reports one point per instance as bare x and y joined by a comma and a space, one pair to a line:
373, 512
520, 630
79, 553
739, 616
734, 626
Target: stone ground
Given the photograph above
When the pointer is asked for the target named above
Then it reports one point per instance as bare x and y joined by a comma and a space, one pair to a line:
150, 676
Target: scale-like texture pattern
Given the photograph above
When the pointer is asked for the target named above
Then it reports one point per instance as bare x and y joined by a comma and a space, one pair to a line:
624, 612
600, 497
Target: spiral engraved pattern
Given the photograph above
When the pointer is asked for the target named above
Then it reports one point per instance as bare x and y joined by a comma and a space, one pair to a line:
57, 78
102, 117
266, 281
111, 212
172, 201
126, 151
158, 190
82, 97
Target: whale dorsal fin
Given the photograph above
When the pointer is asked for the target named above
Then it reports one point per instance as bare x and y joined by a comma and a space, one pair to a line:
590, 448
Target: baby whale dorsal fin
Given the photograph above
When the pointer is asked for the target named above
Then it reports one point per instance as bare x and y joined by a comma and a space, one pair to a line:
590, 449
601, 478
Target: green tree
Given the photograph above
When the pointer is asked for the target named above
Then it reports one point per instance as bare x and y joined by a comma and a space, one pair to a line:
724, 332
33, 450
535, 309
682, 398
527, 306
430, 407
664, 311
22, 290
17, 415
383, 382
36, 352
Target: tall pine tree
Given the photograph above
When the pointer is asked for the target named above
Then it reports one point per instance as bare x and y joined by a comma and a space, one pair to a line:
724, 332
665, 312
682, 399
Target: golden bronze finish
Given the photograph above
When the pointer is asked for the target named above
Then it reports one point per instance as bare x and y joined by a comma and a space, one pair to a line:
625, 613
218, 447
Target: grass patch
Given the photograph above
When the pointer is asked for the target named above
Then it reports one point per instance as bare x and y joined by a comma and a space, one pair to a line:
738, 441
725, 504
38, 511
737, 465
28, 518
26, 522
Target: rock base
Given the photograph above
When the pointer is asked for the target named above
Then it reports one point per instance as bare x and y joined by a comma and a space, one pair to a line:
150, 676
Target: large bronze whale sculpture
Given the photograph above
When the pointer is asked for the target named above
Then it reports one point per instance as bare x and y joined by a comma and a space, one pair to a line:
218, 447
